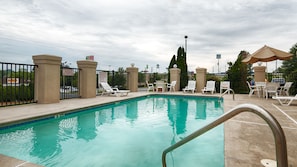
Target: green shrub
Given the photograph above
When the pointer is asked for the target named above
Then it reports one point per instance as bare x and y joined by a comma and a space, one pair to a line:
12, 93
293, 78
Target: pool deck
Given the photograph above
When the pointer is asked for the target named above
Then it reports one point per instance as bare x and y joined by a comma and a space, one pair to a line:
248, 139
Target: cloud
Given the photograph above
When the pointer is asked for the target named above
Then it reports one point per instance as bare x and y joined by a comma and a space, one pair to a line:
144, 32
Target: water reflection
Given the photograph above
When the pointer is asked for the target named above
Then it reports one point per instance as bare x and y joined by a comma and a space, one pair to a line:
101, 116
201, 110
159, 103
177, 114
46, 141
86, 126
132, 111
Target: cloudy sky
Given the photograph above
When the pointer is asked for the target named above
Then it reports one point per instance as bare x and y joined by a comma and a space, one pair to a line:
144, 32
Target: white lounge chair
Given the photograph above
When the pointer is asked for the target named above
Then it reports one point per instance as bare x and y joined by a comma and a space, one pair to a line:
225, 85
253, 89
210, 87
285, 100
150, 86
270, 88
113, 91
190, 87
171, 86
285, 89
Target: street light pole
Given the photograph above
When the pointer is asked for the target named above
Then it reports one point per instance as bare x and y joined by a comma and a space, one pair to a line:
186, 43
218, 57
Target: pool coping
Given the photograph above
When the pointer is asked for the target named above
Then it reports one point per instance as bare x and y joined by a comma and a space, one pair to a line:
11, 122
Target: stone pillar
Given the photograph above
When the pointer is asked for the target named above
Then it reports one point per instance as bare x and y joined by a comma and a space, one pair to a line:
47, 78
132, 78
259, 72
175, 76
87, 78
200, 78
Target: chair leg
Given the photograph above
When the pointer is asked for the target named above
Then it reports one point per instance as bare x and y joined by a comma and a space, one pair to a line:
267, 95
290, 102
251, 92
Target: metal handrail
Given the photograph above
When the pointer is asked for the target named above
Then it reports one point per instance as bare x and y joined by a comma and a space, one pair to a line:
279, 136
226, 93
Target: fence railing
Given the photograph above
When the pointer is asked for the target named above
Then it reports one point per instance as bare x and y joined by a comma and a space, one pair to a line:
16, 83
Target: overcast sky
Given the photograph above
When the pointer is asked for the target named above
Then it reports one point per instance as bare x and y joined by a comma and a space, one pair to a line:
144, 32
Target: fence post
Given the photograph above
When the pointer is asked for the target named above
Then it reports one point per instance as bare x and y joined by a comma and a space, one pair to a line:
47, 78
200, 78
87, 78
259, 73
175, 76
132, 78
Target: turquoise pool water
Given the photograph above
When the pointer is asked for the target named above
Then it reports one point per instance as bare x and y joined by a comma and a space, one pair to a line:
131, 133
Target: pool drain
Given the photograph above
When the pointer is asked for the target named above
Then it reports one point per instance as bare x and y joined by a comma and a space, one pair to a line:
268, 162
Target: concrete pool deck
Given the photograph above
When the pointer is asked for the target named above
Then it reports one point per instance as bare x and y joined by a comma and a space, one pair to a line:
248, 139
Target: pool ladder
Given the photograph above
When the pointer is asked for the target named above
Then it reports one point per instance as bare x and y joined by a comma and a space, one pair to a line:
279, 136
227, 91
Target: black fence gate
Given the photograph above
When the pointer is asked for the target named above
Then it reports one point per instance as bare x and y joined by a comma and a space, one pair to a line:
69, 83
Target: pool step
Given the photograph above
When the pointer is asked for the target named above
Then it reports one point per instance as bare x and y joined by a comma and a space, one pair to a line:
268, 163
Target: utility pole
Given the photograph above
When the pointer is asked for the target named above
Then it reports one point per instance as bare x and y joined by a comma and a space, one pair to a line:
218, 57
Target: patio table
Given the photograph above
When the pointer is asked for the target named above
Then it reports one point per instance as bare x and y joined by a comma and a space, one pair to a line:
160, 85
261, 86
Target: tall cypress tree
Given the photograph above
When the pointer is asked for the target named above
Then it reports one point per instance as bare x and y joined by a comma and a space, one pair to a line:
182, 65
181, 61
237, 74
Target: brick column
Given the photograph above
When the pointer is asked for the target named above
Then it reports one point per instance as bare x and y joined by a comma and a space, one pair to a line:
47, 78
132, 78
87, 78
200, 78
259, 72
175, 76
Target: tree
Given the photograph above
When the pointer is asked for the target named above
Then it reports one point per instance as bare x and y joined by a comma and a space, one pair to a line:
237, 74
289, 69
141, 77
289, 66
181, 62
119, 78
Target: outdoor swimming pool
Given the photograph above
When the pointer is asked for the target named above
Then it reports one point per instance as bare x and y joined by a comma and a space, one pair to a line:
130, 133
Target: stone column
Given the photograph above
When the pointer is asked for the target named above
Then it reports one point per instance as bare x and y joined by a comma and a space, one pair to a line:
132, 78
200, 79
259, 72
175, 76
47, 78
87, 78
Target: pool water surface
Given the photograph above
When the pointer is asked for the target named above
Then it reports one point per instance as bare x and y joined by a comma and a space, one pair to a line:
130, 133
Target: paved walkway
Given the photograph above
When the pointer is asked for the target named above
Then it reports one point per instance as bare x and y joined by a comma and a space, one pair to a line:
248, 139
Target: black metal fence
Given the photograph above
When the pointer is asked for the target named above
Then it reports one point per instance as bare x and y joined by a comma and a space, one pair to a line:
69, 80
16, 83
69, 83
113, 78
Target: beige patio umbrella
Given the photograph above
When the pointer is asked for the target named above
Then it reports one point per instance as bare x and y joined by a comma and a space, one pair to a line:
266, 54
